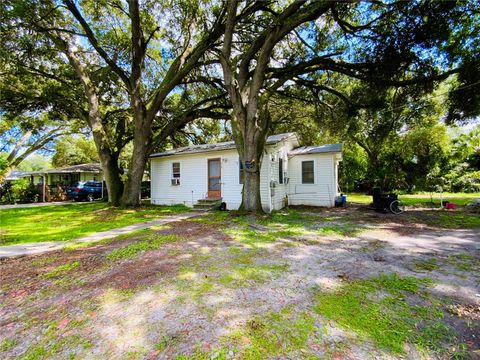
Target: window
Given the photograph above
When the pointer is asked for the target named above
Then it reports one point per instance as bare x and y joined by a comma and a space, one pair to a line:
176, 173
241, 171
280, 170
307, 172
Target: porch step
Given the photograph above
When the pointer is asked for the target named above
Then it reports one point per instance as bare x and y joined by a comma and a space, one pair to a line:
207, 204
209, 200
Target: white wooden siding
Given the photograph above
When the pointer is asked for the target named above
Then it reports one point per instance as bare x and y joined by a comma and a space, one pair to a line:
193, 178
280, 191
324, 189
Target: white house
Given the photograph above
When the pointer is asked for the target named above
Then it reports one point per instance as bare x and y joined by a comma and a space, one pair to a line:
289, 174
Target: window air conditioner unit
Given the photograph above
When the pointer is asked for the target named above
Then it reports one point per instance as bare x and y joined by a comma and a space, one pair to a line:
175, 181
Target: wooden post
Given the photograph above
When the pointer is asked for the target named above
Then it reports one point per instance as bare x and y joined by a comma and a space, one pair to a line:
43, 188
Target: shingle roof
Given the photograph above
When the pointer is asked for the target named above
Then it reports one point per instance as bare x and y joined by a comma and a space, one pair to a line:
16, 174
94, 168
227, 145
327, 148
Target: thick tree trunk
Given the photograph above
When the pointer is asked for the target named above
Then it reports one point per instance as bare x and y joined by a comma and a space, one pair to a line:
108, 158
250, 142
136, 171
251, 198
111, 172
142, 141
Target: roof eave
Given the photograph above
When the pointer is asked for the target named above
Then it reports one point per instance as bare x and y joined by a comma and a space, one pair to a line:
191, 152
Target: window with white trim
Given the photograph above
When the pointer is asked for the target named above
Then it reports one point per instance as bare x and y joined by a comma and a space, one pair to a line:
308, 176
176, 173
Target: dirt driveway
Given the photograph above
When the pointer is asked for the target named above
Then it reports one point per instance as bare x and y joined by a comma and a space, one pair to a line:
299, 284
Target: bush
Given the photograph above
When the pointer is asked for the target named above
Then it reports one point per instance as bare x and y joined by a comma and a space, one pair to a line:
469, 182
19, 191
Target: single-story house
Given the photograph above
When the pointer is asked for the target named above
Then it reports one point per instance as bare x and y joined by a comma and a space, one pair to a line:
290, 174
53, 182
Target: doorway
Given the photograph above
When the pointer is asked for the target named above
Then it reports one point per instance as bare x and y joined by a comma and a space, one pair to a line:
214, 178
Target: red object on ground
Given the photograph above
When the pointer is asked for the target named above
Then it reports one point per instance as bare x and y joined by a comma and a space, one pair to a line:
450, 206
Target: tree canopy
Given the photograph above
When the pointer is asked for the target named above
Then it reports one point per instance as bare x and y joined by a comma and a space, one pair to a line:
152, 74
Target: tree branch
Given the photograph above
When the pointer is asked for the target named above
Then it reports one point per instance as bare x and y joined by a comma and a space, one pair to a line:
93, 40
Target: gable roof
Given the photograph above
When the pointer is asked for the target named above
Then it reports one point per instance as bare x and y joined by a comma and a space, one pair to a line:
327, 148
227, 145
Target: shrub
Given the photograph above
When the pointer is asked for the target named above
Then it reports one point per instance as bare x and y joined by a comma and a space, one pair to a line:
469, 182
19, 191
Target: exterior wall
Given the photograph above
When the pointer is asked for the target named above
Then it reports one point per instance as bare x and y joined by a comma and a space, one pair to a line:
194, 183
193, 178
324, 189
279, 191
87, 176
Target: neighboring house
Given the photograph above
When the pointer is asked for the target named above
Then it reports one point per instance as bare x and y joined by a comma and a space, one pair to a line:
289, 174
16, 175
55, 181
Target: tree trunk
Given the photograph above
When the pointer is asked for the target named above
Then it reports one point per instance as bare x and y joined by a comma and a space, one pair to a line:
252, 162
250, 142
5, 173
136, 171
142, 141
111, 172
108, 158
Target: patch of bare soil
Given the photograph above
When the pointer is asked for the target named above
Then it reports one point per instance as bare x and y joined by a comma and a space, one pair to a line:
189, 295
26, 278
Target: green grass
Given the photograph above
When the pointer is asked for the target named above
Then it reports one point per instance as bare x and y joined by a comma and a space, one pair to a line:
7, 344
420, 199
68, 222
245, 275
455, 220
464, 262
381, 309
426, 265
274, 335
145, 243
344, 229
56, 341
62, 269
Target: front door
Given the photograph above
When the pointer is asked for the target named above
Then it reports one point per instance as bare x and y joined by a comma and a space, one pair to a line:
214, 178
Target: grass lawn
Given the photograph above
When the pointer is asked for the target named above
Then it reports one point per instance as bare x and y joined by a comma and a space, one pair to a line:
68, 222
420, 199
295, 284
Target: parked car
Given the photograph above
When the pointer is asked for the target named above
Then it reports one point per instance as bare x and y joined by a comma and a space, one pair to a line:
85, 190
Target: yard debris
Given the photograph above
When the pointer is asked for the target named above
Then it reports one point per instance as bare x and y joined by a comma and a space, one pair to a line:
469, 311
344, 277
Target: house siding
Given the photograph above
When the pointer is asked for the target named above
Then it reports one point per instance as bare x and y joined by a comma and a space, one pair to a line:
279, 193
193, 178
324, 189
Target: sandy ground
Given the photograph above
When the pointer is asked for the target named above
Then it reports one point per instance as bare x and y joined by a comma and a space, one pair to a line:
172, 301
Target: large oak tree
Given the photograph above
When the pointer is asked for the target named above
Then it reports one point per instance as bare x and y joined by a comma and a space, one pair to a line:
305, 43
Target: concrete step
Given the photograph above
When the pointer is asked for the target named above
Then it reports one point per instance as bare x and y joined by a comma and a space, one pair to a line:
203, 206
209, 201
207, 204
